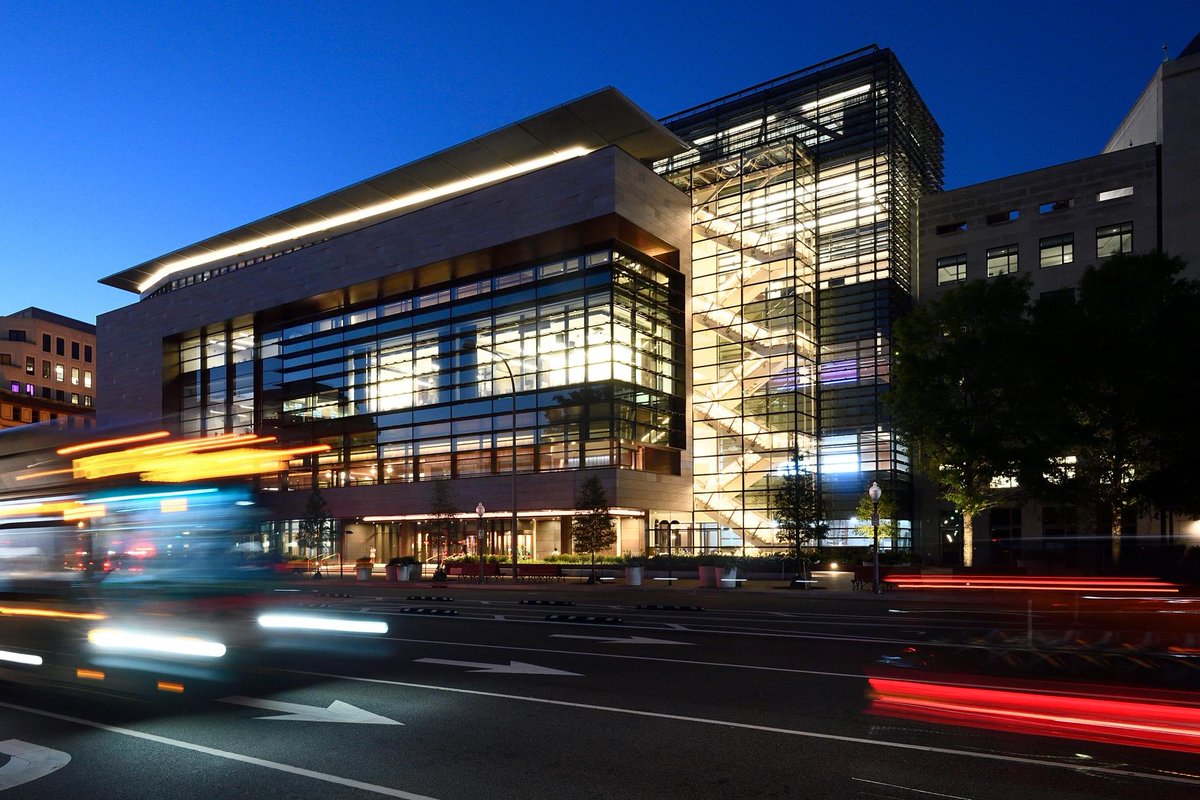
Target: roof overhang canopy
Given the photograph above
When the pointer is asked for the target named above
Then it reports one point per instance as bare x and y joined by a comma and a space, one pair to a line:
600, 119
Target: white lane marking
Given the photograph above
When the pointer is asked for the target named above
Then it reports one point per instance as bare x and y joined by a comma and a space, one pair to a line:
831, 737
714, 628
551, 651
511, 668
28, 762
620, 639
212, 751
337, 711
910, 789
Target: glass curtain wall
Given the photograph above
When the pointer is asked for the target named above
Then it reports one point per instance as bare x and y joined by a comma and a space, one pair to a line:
753, 348
422, 386
863, 149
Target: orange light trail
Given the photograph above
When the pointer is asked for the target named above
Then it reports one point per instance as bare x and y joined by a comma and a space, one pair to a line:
13, 611
1159, 725
141, 437
227, 455
45, 473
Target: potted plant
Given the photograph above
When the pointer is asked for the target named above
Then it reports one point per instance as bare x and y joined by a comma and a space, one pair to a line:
727, 573
634, 567
363, 567
409, 568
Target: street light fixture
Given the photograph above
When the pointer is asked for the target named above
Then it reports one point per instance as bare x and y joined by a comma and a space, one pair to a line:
875, 492
479, 509
497, 358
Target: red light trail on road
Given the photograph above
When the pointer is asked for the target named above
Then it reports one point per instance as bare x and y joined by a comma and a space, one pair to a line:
1157, 724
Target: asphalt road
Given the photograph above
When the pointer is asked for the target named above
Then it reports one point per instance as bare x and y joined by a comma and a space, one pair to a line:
518, 695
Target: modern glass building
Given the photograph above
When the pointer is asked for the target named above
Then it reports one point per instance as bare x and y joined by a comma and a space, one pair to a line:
508, 315
538, 305
804, 197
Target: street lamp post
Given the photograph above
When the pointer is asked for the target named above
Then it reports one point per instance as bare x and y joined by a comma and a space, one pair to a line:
479, 509
513, 383
875, 492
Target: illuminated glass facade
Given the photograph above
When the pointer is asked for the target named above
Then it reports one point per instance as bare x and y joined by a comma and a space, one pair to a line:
418, 387
804, 195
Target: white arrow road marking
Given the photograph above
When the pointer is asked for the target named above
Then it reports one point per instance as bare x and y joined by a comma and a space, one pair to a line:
512, 667
28, 762
336, 712
375, 788
619, 639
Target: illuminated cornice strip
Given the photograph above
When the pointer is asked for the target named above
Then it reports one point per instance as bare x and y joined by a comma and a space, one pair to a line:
386, 207
569, 512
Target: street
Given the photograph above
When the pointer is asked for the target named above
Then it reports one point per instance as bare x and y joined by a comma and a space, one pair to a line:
504, 692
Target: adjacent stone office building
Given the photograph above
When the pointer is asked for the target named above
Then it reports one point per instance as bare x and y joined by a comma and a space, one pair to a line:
1138, 195
397, 320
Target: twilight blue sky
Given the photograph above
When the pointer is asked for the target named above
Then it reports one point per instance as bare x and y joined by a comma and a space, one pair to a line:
129, 129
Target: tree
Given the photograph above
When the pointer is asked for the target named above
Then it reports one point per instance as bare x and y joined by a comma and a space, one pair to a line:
593, 529
1123, 380
961, 390
443, 508
889, 528
316, 526
799, 512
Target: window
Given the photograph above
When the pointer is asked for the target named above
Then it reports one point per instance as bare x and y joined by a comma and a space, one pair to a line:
87, 353
45, 342
87, 399
1113, 239
1056, 205
60, 395
15, 387
29, 388
87, 379
30, 365
5, 360
74, 398
1002, 217
1001, 260
75, 350
1057, 250
951, 227
60, 346
15, 335
74, 376
1113, 194
46, 370
952, 269
60, 372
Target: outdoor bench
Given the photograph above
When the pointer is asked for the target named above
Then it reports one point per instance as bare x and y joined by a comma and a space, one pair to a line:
540, 572
490, 570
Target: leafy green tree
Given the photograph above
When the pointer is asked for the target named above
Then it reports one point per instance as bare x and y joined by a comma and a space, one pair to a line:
799, 512
888, 515
443, 508
316, 526
1121, 377
961, 389
593, 529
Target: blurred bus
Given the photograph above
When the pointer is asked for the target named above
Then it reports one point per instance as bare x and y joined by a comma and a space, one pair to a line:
128, 559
